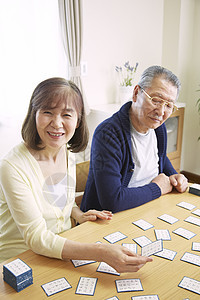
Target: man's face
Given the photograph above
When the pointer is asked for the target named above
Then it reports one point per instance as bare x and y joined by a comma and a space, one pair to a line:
144, 114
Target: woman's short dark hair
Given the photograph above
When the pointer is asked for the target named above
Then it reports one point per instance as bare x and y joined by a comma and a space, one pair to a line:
58, 89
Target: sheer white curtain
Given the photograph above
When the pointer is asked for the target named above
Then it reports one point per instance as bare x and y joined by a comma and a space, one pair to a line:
70, 12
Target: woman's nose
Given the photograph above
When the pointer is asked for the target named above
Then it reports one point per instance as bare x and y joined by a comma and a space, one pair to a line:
57, 122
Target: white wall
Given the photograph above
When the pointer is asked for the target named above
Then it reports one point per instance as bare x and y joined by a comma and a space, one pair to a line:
191, 147
31, 51
181, 48
114, 32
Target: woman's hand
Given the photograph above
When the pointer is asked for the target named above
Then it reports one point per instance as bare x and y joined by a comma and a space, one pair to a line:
122, 259
90, 215
116, 256
93, 215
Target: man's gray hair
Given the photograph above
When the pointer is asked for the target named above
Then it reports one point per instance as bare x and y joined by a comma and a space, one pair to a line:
157, 71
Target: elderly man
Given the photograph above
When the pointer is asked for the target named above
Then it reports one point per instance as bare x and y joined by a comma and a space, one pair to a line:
129, 165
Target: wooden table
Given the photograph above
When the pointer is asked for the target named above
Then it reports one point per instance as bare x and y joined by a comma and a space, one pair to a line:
160, 277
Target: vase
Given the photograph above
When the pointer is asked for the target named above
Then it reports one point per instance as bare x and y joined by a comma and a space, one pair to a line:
125, 94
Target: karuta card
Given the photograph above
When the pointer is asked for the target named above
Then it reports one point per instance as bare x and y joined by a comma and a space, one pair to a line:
86, 286
143, 224
147, 297
167, 254
56, 286
196, 246
142, 240
152, 248
186, 205
105, 268
196, 212
128, 285
191, 258
193, 220
17, 267
190, 285
113, 298
115, 237
79, 263
162, 234
169, 219
187, 234
132, 247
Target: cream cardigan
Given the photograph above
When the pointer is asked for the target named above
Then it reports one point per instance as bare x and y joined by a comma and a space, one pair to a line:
27, 220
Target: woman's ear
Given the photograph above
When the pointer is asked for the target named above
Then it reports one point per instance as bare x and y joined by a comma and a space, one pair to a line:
135, 92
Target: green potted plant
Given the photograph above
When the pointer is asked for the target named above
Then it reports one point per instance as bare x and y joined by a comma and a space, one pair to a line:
126, 76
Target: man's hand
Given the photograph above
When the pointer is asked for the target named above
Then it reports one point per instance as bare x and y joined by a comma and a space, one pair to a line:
179, 181
164, 183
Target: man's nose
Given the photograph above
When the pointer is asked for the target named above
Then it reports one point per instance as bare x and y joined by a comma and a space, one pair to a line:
161, 108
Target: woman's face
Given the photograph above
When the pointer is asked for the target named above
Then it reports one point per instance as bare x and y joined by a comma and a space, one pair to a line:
57, 125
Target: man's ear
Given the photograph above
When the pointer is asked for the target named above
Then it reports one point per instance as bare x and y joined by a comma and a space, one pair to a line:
135, 92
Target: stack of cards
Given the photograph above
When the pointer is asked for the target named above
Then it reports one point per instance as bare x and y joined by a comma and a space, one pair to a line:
195, 189
17, 274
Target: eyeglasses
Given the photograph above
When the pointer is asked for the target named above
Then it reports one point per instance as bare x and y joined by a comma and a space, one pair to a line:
169, 106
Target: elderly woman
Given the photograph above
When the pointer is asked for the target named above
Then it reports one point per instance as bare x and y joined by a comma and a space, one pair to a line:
37, 182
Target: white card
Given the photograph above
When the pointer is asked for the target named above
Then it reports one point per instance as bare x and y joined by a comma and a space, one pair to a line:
193, 220
196, 212
132, 247
56, 286
191, 258
147, 297
190, 284
79, 263
115, 237
196, 246
113, 298
152, 248
143, 224
184, 233
17, 267
166, 253
105, 268
162, 234
128, 285
86, 286
142, 240
169, 219
186, 205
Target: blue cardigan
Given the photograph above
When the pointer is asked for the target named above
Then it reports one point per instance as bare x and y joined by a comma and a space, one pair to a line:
111, 166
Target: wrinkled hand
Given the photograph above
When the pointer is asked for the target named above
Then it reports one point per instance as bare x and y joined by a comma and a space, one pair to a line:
179, 182
124, 260
93, 215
